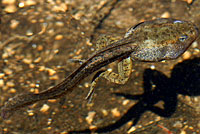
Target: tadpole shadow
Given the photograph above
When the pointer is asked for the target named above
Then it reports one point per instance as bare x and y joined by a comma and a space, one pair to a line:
185, 80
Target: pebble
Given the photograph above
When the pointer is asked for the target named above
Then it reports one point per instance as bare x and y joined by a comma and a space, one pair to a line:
21, 4
27, 61
196, 51
8, 71
29, 32
31, 65
56, 51
10, 9
182, 132
5, 55
32, 85
63, 7
132, 129
1, 82
93, 127
14, 24
41, 68
57, 9
52, 100
78, 52
44, 108
2, 75
88, 42
191, 127
165, 15
12, 90
37, 85
50, 71
32, 90
86, 84
30, 2
10, 84
59, 37
33, 21
178, 124
49, 128
8, 2
115, 112
189, 1
40, 48
54, 77
105, 112
125, 102
187, 55
5, 129
30, 112
64, 132
37, 60
158, 118
59, 23
90, 117
153, 67
36, 91
49, 121
129, 124
194, 44
78, 15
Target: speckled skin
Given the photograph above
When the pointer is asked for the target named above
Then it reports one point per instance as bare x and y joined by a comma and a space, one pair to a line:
161, 39
155, 40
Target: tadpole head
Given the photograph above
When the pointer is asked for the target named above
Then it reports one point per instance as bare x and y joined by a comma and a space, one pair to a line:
162, 39
184, 35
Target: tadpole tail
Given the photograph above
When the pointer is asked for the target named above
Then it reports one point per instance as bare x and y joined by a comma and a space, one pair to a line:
94, 63
17, 102
22, 100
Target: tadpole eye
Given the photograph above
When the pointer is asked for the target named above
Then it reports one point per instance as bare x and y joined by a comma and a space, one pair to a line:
178, 21
183, 38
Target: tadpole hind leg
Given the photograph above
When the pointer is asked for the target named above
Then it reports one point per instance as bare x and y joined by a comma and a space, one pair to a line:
93, 83
124, 68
